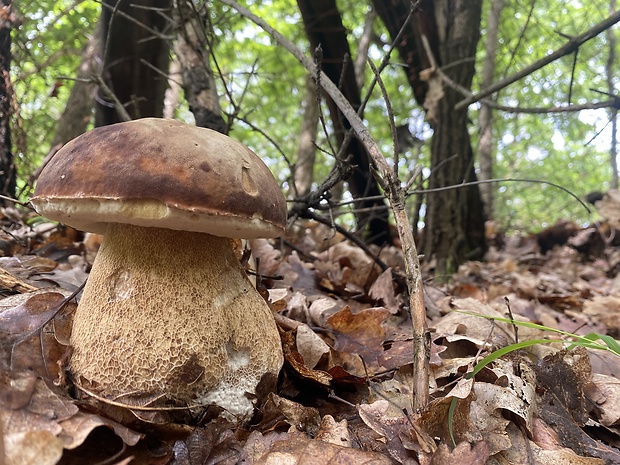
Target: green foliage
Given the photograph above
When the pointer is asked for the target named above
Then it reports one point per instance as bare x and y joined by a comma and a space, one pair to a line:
589, 341
46, 47
564, 148
263, 86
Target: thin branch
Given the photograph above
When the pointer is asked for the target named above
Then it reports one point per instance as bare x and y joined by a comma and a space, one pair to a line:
515, 49
613, 102
396, 197
486, 181
473, 183
115, 11
122, 112
572, 45
363, 46
352, 237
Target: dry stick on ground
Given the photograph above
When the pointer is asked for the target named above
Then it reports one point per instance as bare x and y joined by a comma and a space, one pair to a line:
391, 184
572, 45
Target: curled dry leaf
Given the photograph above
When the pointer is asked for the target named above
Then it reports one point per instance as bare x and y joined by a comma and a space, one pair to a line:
606, 310
457, 326
76, 429
384, 418
545, 448
322, 308
295, 362
486, 413
297, 307
435, 419
382, 290
304, 419
399, 434
562, 378
513, 392
609, 207
334, 432
360, 333
267, 256
298, 449
434, 94
476, 454
310, 346
605, 392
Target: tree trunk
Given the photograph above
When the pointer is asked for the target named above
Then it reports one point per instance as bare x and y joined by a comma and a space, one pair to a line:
79, 106
454, 220
363, 46
485, 115
304, 167
613, 112
7, 166
173, 93
324, 28
192, 49
135, 59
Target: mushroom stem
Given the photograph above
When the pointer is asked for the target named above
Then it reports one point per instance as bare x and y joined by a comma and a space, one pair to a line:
173, 314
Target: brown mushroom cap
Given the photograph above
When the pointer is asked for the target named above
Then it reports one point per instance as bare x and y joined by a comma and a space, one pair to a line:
161, 173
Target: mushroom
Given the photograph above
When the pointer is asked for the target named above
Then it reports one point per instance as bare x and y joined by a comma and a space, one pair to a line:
168, 311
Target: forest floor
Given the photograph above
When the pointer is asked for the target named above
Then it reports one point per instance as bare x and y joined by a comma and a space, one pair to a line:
344, 396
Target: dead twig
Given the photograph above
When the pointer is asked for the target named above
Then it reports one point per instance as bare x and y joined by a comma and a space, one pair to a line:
570, 47
389, 181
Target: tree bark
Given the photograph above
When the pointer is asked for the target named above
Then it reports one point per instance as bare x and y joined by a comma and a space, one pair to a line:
363, 47
304, 167
7, 167
485, 115
192, 49
324, 28
393, 13
613, 112
135, 59
173, 93
454, 219
79, 107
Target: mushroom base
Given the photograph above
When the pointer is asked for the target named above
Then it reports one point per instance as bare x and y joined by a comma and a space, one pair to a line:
171, 315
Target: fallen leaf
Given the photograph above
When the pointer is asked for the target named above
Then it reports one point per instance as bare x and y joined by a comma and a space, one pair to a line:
361, 333
382, 290
606, 397
391, 424
334, 432
297, 449
24, 319
34, 447
310, 346
296, 362
476, 454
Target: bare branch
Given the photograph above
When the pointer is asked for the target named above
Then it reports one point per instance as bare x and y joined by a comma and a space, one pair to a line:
396, 197
364, 45
572, 45
613, 102
118, 106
